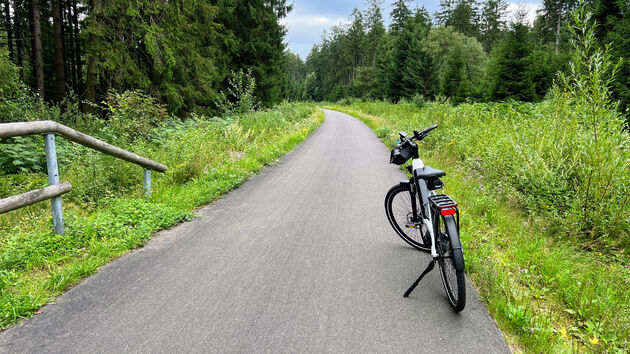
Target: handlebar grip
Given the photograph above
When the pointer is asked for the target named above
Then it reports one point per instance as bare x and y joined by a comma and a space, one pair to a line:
429, 129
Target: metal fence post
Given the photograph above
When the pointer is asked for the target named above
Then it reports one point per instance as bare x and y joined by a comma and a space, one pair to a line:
147, 182
53, 178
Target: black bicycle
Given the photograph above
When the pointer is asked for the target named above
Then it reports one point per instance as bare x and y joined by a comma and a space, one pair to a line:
426, 220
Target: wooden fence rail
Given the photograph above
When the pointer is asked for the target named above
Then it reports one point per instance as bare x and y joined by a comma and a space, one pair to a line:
32, 197
8, 130
49, 129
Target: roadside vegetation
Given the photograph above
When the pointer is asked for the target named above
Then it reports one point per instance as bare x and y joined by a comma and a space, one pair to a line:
106, 214
543, 190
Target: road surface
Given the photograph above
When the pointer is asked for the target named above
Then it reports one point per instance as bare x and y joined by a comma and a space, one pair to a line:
300, 258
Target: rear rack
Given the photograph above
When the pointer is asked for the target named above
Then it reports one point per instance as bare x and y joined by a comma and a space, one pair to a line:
442, 201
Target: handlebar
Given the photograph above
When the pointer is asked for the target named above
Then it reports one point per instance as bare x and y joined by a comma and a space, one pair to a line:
403, 137
426, 131
420, 135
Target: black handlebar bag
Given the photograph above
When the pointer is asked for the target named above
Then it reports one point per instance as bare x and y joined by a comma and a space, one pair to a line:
401, 153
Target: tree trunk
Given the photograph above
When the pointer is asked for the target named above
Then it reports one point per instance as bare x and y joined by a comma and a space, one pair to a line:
558, 26
77, 48
69, 45
60, 82
19, 38
91, 79
9, 27
38, 61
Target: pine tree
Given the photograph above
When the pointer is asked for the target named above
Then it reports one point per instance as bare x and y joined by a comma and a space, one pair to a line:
455, 84
356, 41
511, 73
443, 17
464, 19
376, 30
418, 69
384, 68
491, 22
399, 15
401, 32
255, 39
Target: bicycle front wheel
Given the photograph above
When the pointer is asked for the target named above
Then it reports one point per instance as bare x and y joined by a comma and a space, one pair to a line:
451, 260
400, 215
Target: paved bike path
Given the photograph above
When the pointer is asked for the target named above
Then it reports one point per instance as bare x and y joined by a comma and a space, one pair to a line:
301, 258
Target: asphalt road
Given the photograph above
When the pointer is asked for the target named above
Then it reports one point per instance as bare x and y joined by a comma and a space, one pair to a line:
301, 258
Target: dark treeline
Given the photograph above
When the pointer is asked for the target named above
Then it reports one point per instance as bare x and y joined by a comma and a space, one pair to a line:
181, 52
467, 50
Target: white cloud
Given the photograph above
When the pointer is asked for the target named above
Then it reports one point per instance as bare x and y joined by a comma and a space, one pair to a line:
321, 21
529, 8
305, 30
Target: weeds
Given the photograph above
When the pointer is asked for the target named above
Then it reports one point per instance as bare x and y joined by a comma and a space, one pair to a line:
106, 214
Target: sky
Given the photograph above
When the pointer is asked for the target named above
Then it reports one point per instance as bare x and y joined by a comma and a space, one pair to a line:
308, 19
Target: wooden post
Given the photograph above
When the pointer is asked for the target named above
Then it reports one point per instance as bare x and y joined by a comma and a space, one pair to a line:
147, 182
53, 179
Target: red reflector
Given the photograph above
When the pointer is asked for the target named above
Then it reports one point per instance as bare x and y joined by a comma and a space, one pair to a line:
447, 211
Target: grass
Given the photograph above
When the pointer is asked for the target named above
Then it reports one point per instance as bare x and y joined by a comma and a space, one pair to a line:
546, 291
106, 214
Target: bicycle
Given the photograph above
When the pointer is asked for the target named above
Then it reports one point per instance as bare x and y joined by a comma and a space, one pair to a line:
426, 220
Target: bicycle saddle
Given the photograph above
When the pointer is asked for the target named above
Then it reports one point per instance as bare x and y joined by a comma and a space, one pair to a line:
428, 172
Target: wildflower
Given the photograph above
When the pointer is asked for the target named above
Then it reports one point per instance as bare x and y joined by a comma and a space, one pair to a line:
594, 341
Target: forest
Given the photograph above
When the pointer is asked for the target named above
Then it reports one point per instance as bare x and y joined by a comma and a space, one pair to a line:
179, 52
467, 51
533, 133
183, 53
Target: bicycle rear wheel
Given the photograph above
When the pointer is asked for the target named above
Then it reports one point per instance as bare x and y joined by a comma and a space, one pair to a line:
400, 216
450, 259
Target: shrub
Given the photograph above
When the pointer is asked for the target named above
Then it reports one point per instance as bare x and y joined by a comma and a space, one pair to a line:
240, 97
418, 100
132, 115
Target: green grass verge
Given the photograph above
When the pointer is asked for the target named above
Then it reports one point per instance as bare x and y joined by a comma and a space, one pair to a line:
545, 292
207, 157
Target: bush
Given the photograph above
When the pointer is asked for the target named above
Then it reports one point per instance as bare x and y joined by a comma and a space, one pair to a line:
241, 93
132, 115
418, 100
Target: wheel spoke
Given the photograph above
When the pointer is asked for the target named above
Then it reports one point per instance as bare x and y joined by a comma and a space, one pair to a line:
401, 214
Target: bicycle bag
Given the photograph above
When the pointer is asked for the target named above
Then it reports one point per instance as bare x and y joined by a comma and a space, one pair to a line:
401, 153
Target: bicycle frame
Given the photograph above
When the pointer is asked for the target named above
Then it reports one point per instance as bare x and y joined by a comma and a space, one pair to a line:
420, 187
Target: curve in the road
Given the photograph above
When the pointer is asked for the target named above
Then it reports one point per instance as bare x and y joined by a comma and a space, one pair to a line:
299, 259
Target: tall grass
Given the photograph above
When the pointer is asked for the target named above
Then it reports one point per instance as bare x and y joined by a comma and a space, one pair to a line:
544, 194
107, 214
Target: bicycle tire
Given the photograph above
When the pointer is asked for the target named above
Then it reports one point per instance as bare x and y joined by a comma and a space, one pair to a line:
399, 213
452, 279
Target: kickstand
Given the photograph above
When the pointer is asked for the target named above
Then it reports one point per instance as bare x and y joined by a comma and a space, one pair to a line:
426, 271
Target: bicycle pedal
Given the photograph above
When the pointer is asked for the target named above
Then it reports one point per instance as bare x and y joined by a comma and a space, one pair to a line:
412, 225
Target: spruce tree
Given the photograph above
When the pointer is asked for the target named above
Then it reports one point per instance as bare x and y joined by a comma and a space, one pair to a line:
464, 20
401, 32
399, 15
443, 17
418, 71
511, 72
491, 22
455, 84
375, 30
